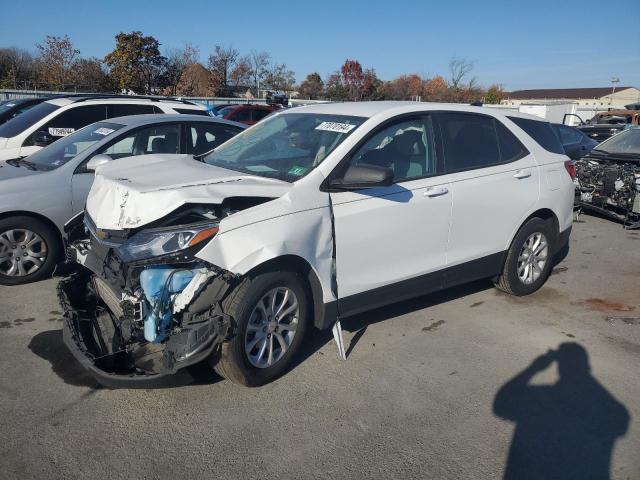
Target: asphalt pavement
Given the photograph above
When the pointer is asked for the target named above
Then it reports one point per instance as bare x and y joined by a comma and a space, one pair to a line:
467, 384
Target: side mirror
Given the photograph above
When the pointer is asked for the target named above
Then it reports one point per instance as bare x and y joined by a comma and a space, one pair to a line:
42, 138
96, 161
364, 176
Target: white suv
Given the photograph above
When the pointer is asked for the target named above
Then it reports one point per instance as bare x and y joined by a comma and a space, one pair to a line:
313, 215
58, 117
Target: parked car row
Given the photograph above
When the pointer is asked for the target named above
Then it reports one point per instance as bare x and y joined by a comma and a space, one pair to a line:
55, 118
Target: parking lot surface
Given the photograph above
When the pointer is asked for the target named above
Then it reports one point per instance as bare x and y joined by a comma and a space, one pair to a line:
447, 386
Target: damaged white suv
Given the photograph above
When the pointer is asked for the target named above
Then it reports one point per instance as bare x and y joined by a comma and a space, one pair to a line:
313, 215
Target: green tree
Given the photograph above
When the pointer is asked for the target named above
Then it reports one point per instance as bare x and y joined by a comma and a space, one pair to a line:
312, 87
136, 63
494, 94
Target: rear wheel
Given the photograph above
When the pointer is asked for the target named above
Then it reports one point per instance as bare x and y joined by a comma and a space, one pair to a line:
29, 250
272, 313
529, 259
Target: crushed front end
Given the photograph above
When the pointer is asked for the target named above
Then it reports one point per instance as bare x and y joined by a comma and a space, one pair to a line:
610, 188
139, 304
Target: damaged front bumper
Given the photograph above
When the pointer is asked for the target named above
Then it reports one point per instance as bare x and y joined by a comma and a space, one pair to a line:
126, 335
136, 363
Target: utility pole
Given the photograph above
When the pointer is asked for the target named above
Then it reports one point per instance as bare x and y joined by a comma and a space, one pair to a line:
614, 80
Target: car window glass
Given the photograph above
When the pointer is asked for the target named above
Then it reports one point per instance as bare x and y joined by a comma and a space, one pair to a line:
242, 115
156, 139
469, 141
205, 137
187, 111
286, 146
569, 135
406, 147
511, 149
541, 132
74, 119
19, 124
259, 114
122, 110
67, 148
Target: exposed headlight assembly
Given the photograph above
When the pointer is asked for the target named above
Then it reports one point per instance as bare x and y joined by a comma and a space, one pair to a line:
157, 242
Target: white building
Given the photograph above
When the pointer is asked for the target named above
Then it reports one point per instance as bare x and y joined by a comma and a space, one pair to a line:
599, 98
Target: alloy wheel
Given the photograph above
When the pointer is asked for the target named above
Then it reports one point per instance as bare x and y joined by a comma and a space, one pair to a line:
533, 258
272, 326
22, 252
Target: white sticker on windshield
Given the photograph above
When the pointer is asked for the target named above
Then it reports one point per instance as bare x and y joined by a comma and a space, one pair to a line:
103, 131
335, 127
61, 132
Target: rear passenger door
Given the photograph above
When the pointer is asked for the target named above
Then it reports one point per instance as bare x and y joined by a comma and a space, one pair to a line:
494, 184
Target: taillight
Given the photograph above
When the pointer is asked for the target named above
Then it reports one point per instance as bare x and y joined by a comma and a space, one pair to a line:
570, 166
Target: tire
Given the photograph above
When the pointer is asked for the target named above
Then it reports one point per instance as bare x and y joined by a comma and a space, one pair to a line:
510, 280
234, 362
45, 248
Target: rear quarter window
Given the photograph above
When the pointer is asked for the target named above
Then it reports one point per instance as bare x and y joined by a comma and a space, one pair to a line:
186, 111
542, 132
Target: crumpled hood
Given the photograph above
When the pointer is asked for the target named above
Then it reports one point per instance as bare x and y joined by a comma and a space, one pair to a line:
132, 192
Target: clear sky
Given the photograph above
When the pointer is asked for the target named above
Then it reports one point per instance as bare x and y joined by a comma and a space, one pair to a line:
518, 43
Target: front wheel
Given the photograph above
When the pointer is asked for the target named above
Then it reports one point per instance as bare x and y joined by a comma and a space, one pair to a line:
29, 250
529, 259
272, 312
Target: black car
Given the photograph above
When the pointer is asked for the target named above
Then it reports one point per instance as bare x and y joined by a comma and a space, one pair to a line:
12, 108
575, 143
608, 178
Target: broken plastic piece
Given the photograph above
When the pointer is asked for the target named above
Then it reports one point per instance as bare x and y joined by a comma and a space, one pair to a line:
337, 335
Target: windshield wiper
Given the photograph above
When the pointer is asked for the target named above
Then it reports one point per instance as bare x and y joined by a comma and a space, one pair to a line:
16, 162
200, 156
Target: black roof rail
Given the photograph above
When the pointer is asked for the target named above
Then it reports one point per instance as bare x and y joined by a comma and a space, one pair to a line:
85, 97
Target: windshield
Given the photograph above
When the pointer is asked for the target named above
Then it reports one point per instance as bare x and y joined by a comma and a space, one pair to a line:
624, 143
63, 150
286, 147
19, 124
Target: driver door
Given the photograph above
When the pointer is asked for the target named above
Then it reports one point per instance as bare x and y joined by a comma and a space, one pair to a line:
391, 241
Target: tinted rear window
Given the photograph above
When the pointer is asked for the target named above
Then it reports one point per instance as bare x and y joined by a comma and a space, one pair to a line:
541, 132
186, 111
19, 124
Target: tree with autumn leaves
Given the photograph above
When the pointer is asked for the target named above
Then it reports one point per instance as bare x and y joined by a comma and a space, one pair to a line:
138, 64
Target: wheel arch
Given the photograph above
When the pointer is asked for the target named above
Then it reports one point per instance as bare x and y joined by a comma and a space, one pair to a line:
36, 216
545, 214
323, 314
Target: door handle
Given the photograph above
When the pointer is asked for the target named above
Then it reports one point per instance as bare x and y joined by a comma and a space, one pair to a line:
522, 174
436, 191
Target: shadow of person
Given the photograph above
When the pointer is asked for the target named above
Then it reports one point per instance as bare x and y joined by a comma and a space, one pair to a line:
563, 431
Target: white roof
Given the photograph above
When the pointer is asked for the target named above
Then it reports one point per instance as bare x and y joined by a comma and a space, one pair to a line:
371, 109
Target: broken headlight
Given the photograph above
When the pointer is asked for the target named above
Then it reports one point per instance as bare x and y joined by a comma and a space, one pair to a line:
162, 241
